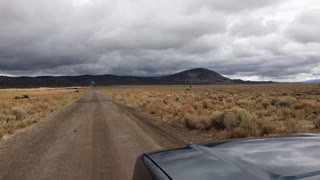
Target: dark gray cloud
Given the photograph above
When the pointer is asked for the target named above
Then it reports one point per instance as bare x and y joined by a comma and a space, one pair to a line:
250, 26
251, 39
232, 6
306, 27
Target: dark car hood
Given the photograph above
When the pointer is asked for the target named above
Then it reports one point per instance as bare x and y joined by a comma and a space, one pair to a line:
275, 158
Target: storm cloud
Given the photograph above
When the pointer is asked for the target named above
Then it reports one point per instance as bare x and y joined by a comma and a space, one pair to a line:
249, 39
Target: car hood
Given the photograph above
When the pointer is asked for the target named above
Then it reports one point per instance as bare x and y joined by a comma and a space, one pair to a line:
274, 158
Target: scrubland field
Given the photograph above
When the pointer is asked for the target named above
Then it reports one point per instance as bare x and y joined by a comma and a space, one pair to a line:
229, 111
20, 108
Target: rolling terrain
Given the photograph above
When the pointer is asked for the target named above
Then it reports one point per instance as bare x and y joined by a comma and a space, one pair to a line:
228, 111
99, 137
196, 76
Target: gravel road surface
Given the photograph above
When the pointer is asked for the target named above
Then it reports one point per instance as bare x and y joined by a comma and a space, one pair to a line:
94, 138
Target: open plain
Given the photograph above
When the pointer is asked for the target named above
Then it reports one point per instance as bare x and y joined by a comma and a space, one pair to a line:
98, 133
228, 111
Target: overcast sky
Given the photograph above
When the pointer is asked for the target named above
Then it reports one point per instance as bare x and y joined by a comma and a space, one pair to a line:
249, 39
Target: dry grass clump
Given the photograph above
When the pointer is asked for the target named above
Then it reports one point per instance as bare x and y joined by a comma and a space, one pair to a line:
236, 121
17, 113
230, 111
193, 121
232, 118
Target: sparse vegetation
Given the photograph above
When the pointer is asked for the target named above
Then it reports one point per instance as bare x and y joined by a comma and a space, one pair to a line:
231, 111
20, 108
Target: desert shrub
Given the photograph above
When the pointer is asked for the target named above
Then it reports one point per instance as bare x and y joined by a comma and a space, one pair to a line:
316, 110
283, 101
303, 104
265, 127
213, 97
43, 106
232, 118
8, 128
7, 111
7, 118
265, 103
19, 113
292, 126
205, 105
243, 103
217, 120
288, 113
273, 101
316, 123
3, 105
229, 99
193, 121
262, 113
1, 134
238, 133
197, 105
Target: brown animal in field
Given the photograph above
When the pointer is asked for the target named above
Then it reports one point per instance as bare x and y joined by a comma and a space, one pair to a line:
189, 88
22, 97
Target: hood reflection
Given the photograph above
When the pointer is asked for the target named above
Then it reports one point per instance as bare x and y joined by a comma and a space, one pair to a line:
277, 158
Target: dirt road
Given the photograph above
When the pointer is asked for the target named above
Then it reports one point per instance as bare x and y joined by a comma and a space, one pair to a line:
92, 139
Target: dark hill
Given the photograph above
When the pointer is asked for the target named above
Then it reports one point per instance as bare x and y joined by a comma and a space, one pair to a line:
193, 76
197, 76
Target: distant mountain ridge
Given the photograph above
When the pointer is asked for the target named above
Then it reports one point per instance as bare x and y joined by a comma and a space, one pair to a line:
312, 81
198, 76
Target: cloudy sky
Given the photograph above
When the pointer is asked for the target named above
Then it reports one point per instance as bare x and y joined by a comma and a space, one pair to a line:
249, 39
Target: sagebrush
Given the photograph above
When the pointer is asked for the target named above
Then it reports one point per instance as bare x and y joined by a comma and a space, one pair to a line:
231, 110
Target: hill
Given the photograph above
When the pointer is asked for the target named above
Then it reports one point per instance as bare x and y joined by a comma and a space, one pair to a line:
196, 76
